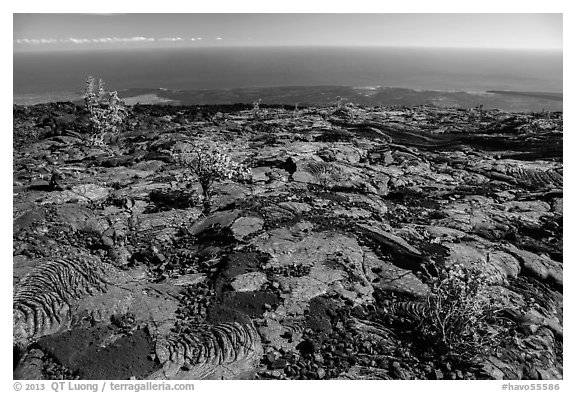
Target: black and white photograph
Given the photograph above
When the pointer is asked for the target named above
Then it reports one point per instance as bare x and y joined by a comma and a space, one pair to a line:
287, 196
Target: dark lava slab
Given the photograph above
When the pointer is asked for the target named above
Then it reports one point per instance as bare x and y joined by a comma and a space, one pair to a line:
85, 351
236, 305
234, 265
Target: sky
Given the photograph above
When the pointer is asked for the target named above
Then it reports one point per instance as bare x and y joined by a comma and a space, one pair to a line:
53, 32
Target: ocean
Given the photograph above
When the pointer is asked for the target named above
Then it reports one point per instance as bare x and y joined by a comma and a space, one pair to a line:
49, 76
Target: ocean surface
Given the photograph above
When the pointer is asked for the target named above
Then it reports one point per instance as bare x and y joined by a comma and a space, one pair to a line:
51, 76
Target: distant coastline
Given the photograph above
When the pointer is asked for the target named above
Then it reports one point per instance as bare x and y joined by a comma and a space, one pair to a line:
505, 100
535, 94
369, 76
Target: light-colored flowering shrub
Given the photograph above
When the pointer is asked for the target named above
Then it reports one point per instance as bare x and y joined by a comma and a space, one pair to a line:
209, 162
456, 315
106, 110
340, 103
347, 110
296, 113
256, 112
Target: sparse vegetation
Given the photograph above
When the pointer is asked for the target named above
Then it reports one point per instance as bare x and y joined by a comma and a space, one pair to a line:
106, 111
208, 162
296, 113
256, 112
456, 315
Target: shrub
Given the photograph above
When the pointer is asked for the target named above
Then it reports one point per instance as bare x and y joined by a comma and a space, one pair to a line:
296, 113
106, 110
347, 110
208, 162
455, 317
340, 103
256, 111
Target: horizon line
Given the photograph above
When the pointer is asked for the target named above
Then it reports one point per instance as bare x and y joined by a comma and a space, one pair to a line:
132, 48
